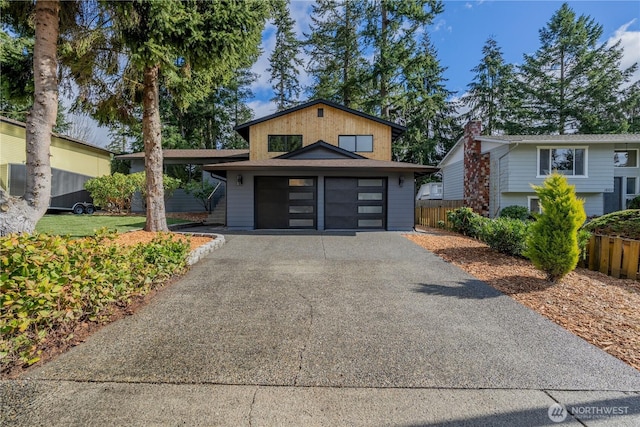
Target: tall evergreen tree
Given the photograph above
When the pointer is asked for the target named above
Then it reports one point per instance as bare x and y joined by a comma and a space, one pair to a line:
285, 61
491, 96
571, 83
336, 60
391, 31
190, 46
424, 109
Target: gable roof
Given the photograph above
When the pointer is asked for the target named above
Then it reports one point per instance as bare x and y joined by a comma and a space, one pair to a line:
320, 150
396, 129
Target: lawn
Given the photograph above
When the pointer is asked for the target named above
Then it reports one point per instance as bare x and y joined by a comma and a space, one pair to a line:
85, 225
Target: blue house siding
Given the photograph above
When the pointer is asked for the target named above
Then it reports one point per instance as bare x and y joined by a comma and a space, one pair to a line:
593, 202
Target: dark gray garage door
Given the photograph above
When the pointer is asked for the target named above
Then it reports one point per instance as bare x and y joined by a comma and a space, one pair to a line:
286, 202
352, 203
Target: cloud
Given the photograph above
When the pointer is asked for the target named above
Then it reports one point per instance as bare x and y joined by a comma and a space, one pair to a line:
468, 5
630, 42
441, 24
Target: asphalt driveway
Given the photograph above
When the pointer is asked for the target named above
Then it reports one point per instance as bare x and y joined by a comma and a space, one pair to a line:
326, 329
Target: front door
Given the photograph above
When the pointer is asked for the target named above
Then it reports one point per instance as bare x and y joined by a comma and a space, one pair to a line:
613, 201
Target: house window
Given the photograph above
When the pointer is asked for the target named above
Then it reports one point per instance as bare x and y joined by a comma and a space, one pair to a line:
567, 161
534, 204
320, 112
356, 142
631, 185
625, 158
285, 143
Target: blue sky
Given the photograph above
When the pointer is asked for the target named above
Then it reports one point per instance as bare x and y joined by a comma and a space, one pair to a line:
460, 32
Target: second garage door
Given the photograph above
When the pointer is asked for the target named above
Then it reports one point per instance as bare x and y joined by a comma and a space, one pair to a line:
353, 203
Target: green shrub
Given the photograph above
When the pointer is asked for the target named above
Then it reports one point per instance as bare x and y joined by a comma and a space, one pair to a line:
200, 191
621, 223
466, 221
583, 243
516, 212
506, 235
552, 244
634, 203
50, 283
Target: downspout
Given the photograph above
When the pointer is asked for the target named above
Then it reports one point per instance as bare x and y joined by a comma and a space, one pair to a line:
499, 171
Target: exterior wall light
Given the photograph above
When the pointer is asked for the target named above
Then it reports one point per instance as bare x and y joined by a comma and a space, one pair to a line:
401, 180
239, 179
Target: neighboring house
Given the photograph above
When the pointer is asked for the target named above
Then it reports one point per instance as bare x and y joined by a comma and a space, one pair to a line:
73, 162
180, 201
320, 166
492, 172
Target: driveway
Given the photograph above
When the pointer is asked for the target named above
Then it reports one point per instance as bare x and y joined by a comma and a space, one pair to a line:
327, 329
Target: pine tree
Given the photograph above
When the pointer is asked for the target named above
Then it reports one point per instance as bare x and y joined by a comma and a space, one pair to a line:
552, 244
284, 60
424, 108
391, 32
571, 83
491, 93
336, 62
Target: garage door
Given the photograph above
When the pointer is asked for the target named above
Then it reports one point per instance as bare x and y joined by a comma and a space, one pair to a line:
352, 203
285, 202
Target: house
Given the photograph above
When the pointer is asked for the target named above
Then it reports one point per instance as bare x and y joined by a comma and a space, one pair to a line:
190, 160
490, 172
73, 162
320, 166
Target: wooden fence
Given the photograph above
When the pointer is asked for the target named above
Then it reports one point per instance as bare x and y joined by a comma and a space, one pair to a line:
440, 204
614, 256
429, 217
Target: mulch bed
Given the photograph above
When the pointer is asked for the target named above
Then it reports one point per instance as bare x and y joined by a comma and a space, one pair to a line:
598, 308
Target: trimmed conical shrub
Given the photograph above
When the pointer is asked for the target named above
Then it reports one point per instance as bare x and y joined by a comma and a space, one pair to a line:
552, 244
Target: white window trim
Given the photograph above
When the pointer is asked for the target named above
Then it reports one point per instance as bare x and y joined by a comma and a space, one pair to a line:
572, 147
626, 182
529, 199
628, 149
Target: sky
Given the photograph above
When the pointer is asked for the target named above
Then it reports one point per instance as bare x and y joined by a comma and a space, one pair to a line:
460, 32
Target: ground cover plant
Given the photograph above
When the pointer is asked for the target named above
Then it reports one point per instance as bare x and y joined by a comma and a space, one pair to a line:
86, 225
622, 223
50, 284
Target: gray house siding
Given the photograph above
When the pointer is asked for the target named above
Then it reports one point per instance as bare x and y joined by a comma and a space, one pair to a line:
593, 204
523, 164
452, 181
240, 198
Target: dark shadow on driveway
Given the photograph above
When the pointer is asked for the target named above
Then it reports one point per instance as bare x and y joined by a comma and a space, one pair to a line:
583, 412
469, 289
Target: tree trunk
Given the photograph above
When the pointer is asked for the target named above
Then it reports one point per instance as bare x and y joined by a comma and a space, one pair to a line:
20, 215
151, 133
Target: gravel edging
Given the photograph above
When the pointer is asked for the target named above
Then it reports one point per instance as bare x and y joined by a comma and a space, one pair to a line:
202, 251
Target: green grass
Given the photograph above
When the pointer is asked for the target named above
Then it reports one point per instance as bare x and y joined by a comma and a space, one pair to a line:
85, 225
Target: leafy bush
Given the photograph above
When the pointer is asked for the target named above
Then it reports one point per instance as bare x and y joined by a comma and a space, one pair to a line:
200, 191
634, 203
506, 235
516, 212
50, 283
466, 221
114, 192
552, 244
622, 223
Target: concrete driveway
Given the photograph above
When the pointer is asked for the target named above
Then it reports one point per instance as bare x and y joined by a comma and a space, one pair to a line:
327, 329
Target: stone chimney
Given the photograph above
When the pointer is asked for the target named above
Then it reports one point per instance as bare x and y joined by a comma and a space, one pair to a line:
477, 169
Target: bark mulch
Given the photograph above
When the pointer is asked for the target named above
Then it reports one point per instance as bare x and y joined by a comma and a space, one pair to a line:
600, 309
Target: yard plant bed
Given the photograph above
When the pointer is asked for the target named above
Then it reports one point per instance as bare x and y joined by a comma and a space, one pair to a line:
598, 308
